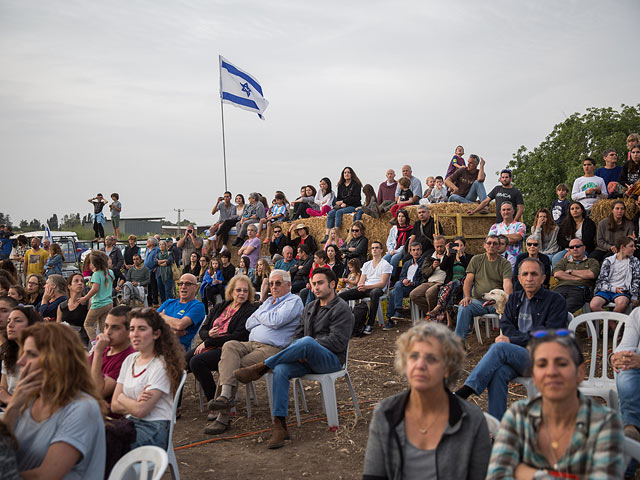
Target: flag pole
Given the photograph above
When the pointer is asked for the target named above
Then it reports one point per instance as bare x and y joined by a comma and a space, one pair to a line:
224, 147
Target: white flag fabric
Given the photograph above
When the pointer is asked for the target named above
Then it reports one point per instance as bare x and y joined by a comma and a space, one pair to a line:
239, 88
47, 234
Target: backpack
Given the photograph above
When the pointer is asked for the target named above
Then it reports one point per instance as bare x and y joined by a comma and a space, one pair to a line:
360, 315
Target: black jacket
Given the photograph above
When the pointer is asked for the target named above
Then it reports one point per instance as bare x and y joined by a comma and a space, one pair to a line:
589, 231
424, 233
330, 326
351, 195
449, 261
277, 246
361, 244
236, 330
301, 270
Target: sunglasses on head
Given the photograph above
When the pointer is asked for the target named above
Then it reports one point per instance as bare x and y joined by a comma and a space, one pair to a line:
560, 332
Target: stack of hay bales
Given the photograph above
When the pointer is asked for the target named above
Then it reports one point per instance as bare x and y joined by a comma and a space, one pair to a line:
602, 208
378, 228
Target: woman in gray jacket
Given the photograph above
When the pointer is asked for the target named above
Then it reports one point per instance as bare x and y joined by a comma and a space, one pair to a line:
427, 432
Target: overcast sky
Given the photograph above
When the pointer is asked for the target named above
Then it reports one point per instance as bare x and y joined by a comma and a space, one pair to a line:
104, 96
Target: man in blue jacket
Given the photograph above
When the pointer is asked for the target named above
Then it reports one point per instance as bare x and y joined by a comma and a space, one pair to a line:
534, 308
410, 278
149, 262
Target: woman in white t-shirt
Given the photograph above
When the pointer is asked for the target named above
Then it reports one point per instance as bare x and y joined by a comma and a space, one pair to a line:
149, 378
619, 279
373, 283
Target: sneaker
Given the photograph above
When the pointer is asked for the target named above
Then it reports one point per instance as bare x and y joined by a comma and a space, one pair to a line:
396, 318
389, 325
368, 330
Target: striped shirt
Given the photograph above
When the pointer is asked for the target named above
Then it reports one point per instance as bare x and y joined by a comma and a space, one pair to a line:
595, 451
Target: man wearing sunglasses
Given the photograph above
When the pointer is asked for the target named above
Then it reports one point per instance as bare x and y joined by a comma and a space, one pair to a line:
576, 276
531, 309
184, 314
270, 327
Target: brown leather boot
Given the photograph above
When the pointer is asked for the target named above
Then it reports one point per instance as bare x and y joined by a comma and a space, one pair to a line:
251, 373
279, 433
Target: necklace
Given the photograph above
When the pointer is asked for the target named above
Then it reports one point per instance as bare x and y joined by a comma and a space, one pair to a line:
554, 444
425, 430
144, 370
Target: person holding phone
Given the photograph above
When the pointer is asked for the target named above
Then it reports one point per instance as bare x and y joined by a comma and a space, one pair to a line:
189, 243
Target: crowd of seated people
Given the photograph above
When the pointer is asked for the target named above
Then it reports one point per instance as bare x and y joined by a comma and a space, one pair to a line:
288, 315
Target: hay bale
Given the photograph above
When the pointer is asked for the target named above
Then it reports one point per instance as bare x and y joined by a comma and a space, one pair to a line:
378, 228
602, 208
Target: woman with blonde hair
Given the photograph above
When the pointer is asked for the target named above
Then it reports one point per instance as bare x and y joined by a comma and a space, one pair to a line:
55, 411
261, 278
426, 431
225, 322
101, 287
149, 378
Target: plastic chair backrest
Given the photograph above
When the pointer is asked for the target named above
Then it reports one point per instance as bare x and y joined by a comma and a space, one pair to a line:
631, 449
176, 397
589, 319
493, 423
143, 456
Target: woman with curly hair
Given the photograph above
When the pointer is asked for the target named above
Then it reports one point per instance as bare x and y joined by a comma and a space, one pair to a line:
55, 411
149, 378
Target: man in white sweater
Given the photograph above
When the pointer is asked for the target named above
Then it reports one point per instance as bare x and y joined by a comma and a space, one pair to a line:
588, 188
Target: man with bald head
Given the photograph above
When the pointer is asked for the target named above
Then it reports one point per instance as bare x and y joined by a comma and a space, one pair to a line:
387, 191
416, 185
184, 314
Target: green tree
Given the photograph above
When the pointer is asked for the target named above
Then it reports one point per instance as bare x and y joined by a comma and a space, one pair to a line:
558, 159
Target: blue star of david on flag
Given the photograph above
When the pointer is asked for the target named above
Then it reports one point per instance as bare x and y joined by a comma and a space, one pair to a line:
240, 89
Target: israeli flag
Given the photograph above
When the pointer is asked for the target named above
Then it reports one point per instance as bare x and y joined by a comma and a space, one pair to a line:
47, 234
241, 89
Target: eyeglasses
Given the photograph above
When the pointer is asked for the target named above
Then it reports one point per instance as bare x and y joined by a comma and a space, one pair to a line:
533, 244
241, 290
355, 229
571, 247
277, 231
186, 284
276, 283
561, 332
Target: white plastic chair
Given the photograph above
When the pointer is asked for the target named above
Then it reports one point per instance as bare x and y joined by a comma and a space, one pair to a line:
173, 462
416, 315
493, 423
367, 300
631, 450
489, 318
139, 460
527, 382
327, 387
603, 386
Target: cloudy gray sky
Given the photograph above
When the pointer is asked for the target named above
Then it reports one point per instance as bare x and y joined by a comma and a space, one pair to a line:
124, 95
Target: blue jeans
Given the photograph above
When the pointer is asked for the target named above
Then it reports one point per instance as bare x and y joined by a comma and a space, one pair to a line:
466, 314
503, 362
557, 257
628, 383
151, 432
394, 259
334, 217
285, 365
165, 288
477, 190
395, 297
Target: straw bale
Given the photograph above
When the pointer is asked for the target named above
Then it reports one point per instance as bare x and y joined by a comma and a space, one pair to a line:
378, 228
602, 208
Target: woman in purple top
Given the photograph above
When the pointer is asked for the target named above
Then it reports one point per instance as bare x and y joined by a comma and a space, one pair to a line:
251, 246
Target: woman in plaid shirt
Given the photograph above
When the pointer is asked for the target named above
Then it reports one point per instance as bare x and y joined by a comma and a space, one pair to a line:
561, 433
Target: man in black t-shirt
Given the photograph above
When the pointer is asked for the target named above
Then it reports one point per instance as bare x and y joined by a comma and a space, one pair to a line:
505, 192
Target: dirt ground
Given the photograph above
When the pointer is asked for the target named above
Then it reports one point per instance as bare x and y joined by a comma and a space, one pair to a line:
314, 451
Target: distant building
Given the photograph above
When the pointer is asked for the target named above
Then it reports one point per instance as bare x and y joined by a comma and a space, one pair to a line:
136, 226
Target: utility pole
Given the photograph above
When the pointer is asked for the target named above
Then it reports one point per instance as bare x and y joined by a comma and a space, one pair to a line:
179, 210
